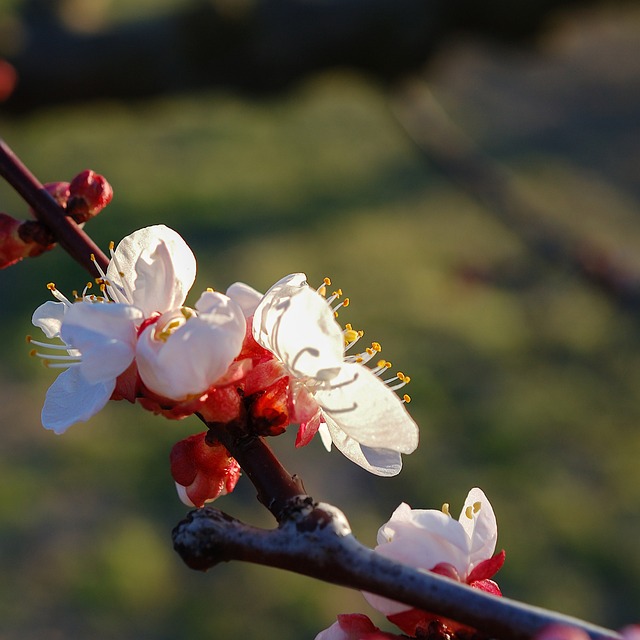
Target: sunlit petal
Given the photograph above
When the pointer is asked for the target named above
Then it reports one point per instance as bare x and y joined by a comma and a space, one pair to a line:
367, 410
72, 399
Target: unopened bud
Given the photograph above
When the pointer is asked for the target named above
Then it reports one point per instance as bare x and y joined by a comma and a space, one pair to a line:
202, 470
59, 191
89, 193
21, 239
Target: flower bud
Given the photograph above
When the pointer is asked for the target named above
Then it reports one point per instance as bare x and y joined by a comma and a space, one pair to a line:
203, 471
21, 239
59, 191
89, 193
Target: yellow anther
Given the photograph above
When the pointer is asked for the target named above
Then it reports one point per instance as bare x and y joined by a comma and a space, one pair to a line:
112, 245
445, 509
469, 512
93, 257
407, 398
359, 359
211, 290
376, 346
32, 353
28, 339
89, 285
51, 286
345, 302
327, 281
350, 336
187, 312
337, 293
381, 363
400, 376
348, 326
370, 351
476, 507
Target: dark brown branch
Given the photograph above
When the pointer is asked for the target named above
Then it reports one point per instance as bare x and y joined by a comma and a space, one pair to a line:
65, 231
275, 485
447, 147
315, 540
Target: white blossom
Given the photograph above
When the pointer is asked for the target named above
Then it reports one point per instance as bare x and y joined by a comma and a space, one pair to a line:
179, 352
351, 405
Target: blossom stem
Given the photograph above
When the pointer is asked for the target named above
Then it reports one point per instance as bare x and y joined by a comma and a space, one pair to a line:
66, 232
315, 540
275, 485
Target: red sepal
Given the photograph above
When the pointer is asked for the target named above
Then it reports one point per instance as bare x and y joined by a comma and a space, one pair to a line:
204, 469
487, 568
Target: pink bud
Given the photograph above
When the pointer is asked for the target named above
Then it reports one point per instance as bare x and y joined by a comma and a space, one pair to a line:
89, 193
21, 239
59, 191
205, 470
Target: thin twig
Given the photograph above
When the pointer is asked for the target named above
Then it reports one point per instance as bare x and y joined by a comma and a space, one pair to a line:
66, 232
315, 540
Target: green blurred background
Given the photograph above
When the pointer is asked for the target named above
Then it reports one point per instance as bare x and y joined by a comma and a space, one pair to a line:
525, 377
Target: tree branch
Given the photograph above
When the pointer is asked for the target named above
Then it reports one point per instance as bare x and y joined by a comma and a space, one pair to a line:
65, 231
446, 146
314, 539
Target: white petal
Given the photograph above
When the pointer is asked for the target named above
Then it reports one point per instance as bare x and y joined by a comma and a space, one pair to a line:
334, 632
197, 353
367, 410
157, 269
105, 335
481, 528
72, 399
244, 295
182, 494
325, 435
420, 538
296, 324
48, 317
380, 462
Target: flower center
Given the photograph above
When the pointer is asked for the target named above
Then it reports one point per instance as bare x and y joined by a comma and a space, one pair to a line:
169, 322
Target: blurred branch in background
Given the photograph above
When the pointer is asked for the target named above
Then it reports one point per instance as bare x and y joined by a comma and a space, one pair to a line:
446, 146
62, 53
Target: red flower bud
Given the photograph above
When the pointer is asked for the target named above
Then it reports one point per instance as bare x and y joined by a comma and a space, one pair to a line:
59, 191
89, 193
204, 470
21, 239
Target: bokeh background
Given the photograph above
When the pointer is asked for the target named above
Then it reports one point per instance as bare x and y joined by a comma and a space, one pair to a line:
525, 372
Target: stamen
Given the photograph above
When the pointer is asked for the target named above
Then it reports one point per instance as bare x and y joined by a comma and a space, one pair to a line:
322, 289
46, 345
334, 296
36, 354
469, 512
445, 509
381, 365
406, 398
399, 376
57, 295
56, 365
123, 290
351, 336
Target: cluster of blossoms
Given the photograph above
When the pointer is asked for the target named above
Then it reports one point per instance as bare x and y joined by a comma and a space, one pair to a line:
430, 540
262, 361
